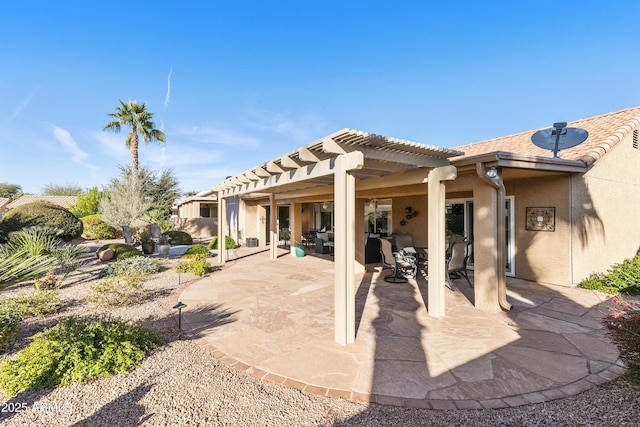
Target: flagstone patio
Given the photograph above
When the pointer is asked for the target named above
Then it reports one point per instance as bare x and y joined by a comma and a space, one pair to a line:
274, 320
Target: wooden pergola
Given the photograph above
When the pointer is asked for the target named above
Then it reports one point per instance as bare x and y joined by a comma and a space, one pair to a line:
352, 161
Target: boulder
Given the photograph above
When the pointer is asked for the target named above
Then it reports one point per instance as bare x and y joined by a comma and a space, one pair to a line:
106, 255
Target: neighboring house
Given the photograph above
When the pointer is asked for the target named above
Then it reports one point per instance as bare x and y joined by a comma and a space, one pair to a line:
197, 215
64, 201
528, 214
3, 205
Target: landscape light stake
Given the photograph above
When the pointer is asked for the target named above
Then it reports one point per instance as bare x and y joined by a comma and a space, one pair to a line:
179, 306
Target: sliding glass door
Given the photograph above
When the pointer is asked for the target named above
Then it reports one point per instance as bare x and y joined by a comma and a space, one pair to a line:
459, 219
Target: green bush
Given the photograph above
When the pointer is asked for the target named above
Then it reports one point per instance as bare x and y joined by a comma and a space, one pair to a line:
197, 265
179, 237
121, 250
39, 303
196, 250
213, 244
75, 350
117, 291
131, 267
620, 278
42, 214
10, 318
229, 243
96, 228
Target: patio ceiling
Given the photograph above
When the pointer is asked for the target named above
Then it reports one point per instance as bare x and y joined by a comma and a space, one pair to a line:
313, 165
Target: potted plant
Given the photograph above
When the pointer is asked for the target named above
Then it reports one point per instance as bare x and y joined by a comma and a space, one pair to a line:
163, 245
148, 244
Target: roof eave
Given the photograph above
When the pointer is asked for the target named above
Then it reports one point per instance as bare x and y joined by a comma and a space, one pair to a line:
520, 161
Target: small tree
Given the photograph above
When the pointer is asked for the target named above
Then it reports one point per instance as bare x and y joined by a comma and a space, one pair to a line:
88, 202
61, 190
10, 191
126, 203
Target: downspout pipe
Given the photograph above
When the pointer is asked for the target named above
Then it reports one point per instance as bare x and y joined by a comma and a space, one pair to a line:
493, 178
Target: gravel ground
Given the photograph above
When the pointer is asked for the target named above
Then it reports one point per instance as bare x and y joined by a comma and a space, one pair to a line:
181, 384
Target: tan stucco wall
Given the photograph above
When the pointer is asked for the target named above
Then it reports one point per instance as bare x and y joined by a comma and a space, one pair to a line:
417, 226
197, 227
606, 211
543, 256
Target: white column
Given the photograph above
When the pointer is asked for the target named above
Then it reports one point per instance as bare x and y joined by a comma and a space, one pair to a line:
222, 227
436, 228
344, 251
295, 226
273, 229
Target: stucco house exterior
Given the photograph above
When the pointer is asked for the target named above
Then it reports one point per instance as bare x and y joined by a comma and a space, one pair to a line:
197, 215
529, 215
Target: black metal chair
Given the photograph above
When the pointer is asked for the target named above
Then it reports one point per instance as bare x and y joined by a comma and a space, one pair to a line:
401, 264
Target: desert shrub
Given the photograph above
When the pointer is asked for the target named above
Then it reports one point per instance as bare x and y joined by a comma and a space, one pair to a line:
10, 318
620, 278
75, 350
117, 291
196, 250
42, 214
96, 228
229, 243
39, 303
121, 250
197, 265
624, 326
131, 266
179, 237
49, 281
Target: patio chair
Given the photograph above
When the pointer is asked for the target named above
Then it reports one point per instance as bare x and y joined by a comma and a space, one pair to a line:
454, 238
401, 264
457, 263
155, 232
126, 233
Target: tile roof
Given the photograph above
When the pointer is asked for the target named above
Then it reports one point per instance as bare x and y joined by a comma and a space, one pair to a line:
4, 201
64, 201
605, 131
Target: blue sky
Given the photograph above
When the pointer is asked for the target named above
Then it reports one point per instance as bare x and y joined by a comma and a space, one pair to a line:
236, 83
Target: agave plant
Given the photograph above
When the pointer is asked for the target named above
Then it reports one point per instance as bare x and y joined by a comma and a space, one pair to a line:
34, 251
34, 240
20, 265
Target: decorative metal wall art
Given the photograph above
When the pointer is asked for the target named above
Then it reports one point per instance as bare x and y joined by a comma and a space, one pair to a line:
541, 219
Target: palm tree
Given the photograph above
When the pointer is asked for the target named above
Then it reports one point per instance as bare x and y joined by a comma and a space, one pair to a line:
136, 117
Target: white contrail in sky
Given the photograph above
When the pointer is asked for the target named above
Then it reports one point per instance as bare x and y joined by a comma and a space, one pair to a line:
21, 107
64, 137
168, 96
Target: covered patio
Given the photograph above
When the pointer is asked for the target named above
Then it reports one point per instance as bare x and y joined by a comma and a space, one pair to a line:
278, 326
348, 167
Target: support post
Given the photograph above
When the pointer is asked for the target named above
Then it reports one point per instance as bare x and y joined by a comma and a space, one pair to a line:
273, 229
222, 227
436, 228
344, 251
295, 226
